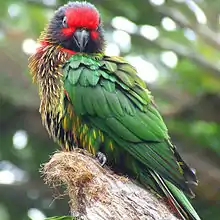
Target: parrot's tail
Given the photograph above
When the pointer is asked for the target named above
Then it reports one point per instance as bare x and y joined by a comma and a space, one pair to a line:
174, 197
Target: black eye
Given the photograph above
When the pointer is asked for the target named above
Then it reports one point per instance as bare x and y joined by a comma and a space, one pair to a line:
64, 22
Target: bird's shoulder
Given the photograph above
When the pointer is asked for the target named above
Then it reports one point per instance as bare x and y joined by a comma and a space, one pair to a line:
111, 72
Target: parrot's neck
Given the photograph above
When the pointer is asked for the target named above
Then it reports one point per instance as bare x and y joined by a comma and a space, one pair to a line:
45, 67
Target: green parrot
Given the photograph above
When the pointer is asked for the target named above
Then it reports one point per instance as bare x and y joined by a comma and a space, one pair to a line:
97, 102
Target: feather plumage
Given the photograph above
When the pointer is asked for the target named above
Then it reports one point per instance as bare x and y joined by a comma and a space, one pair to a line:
113, 102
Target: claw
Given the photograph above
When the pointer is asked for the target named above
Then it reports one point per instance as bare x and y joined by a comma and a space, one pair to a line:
101, 158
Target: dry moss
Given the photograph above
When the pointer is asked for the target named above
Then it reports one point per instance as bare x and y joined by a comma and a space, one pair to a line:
79, 176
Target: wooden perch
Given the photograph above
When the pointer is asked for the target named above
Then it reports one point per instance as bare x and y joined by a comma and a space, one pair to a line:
97, 194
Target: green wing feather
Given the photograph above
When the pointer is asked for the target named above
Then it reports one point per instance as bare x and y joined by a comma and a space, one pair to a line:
109, 94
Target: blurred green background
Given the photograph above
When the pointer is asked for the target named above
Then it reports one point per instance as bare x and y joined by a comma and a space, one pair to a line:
174, 44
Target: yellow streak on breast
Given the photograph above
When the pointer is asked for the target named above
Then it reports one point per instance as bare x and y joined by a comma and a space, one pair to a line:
65, 123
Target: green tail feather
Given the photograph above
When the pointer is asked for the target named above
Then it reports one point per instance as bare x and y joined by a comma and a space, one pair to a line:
175, 197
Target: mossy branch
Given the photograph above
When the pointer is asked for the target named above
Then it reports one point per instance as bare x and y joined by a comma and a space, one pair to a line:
96, 193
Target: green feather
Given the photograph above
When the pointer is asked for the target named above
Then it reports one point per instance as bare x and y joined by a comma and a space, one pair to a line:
121, 130
109, 66
115, 59
114, 103
108, 85
125, 78
74, 76
127, 106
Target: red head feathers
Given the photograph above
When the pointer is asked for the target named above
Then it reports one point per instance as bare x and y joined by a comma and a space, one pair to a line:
82, 17
77, 26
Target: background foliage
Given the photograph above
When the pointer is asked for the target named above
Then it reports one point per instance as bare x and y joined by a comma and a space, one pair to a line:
174, 44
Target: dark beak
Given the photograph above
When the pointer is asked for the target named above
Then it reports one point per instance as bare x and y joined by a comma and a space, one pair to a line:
81, 37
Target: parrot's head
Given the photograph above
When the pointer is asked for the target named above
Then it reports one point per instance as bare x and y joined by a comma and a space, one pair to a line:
77, 26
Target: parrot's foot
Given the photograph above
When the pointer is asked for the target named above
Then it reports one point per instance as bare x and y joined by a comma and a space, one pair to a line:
101, 158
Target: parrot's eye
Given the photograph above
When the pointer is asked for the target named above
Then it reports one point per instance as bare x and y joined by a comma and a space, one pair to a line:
64, 22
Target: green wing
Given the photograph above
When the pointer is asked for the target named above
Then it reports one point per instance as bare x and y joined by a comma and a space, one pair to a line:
108, 92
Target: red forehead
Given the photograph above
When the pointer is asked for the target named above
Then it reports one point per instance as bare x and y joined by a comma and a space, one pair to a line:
82, 17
